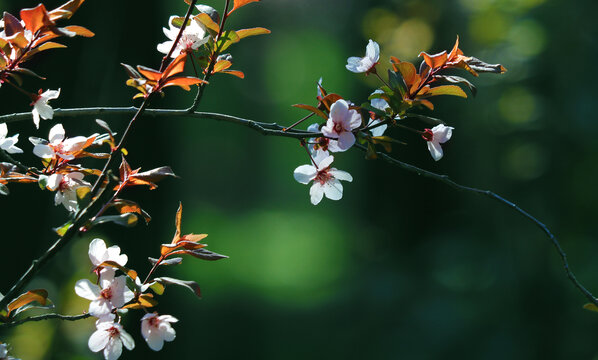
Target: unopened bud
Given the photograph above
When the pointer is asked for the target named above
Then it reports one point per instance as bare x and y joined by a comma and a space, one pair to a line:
205, 9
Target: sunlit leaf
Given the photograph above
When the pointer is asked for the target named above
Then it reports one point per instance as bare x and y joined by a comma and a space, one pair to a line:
453, 90
435, 61
243, 33
240, 3
228, 38
166, 262
127, 220
203, 254
38, 295
62, 229
236, 73
80, 30
36, 18
207, 21
458, 80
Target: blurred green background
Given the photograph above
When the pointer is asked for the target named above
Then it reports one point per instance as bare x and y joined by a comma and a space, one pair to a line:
403, 267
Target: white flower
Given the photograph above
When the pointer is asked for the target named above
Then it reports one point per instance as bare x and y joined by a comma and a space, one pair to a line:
110, 337
439, 134
193, 37
41, 107
66, 186
367, 63
58, 145
341, 122
380, 104
112, 294
326, 179
98, 253
8, 144
157, 329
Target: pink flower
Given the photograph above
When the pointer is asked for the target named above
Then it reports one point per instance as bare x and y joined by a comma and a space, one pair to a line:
41, 107
439, 134
157, 329
325, 179
110, 337
341, 122
112, 294
367, 63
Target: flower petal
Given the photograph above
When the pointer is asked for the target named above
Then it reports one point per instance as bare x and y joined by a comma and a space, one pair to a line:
435, 150
56, 134
97, 251
346, 140
98, 340
333, 189
316, 193
87, 290
113, 349
341, 175
304, 173
43, 151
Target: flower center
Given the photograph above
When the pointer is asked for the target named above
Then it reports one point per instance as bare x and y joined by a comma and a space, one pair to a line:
323, 176
428, 135
153, 321
106, 294
113, 331
338, 128
322, 143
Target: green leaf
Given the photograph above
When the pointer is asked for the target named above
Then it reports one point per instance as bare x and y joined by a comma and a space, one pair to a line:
49, 305
427, 119
397, 83
62, 229
228, 38
158, 288
369, 107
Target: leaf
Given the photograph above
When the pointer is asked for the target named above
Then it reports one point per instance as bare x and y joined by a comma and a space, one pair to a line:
166, 262
435, 61
236, 73
83, 196
126, 220
142, 302
241, 3
191, 285
397, 83
207, 21
458, 80
4, 189
482, 67
166, 249
243, 33
154, 175
128, 206
157, 288
62, 229
313, 109
591, 307
49, 305
130, 273
36, 18
453, 90
427, 119
203, 254
80, 30
38, 295
66, 10
221, 65
228, 38
369, 107
177, 224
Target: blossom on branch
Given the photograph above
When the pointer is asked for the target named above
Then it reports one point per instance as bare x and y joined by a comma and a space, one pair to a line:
325, 179
4, 353
110, 337
367, 63
194, 35
439, 134
8, 143
98, 254
66, 186
112, 294
41, 107
156, 329
59, 146
341, 122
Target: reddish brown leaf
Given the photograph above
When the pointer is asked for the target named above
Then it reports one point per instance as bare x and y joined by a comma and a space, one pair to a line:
66, 10
436, 60
80, 30
243, 33
207, 21
236, 73
130, 273
313, 109
241, 3
39, 295
36, 18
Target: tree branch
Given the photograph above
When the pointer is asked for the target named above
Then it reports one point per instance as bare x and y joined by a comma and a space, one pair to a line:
45, 317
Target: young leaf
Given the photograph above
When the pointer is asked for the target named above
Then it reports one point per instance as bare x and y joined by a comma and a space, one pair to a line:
202, 254
313, 109
240, 3
166, 262
243, 33
127, 220
130, 273
453, 90
458, 80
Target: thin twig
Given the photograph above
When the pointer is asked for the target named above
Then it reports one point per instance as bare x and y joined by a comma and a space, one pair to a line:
445, 179
45, 317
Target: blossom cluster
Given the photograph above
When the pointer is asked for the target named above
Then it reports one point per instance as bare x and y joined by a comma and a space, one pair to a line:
110, 295
345, 120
